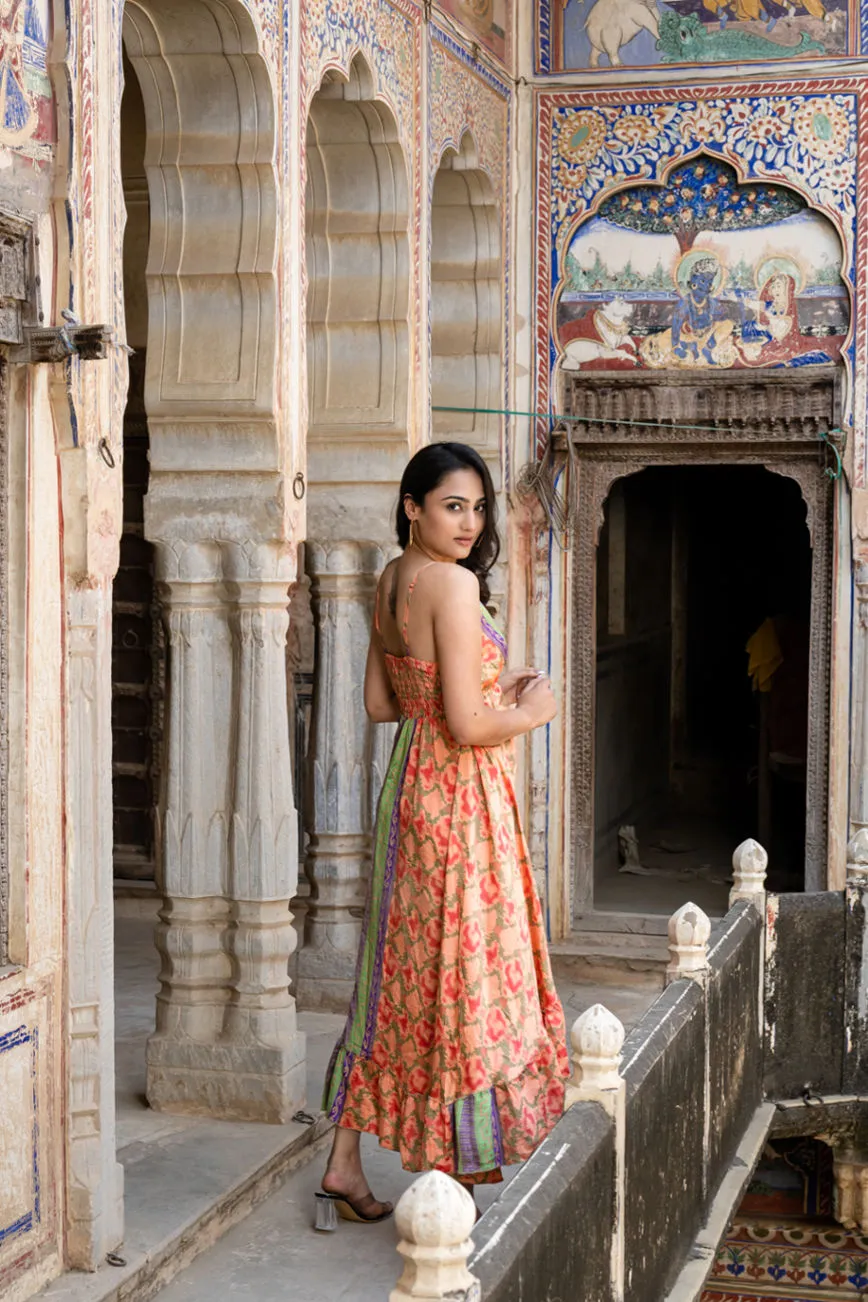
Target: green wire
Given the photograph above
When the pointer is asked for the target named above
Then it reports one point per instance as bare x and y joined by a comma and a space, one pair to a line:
635, 424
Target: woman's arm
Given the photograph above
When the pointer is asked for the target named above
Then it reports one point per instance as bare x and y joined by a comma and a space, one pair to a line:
381, 703
455, 608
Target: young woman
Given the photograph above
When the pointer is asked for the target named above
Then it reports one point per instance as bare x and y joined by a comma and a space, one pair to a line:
454, 1050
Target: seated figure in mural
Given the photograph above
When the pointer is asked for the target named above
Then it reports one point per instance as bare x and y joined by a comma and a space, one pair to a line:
701, 333
454, 1051
600, 340
774, 337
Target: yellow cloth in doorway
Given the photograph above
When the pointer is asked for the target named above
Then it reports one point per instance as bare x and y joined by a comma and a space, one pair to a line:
765, 657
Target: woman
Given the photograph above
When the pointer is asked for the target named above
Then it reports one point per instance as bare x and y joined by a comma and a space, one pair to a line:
454, 1050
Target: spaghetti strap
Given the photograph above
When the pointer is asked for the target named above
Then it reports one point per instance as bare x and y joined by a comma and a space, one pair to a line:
410, 586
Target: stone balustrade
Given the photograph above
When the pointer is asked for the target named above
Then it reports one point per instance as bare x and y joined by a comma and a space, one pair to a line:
435, 1217
749, 866
689, 930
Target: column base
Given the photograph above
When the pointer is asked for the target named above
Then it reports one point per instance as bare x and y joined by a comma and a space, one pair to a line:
231, 1082
325, 976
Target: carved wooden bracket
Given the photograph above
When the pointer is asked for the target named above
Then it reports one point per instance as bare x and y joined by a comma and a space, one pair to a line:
56, 343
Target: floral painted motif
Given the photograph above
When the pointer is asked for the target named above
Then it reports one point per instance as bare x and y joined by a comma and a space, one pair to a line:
387, 35
464, 98
767, 1255
454, 1051
801, 139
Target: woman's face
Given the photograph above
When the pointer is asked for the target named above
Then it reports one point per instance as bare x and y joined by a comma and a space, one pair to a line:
452, 516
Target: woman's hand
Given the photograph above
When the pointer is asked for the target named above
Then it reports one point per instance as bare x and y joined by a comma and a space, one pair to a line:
513, 682
538, 703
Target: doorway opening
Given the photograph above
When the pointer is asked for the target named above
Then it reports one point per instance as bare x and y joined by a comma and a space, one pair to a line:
137, 646
704, 592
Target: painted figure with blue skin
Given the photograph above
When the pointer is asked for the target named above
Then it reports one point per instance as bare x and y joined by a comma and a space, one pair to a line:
699, 323
702, 333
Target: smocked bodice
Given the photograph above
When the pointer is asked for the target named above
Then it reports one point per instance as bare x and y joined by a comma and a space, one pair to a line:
416, 683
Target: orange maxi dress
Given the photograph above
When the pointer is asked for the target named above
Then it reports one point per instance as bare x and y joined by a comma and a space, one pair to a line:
454, 1050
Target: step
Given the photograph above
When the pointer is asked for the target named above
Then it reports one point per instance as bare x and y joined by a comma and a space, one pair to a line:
612, 958
183, 1194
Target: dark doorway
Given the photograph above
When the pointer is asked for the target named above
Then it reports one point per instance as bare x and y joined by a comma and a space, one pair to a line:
137, 650
695, 563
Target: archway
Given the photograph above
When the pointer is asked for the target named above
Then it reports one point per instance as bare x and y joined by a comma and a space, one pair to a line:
359, 375
467, 314
466, 303
222, 566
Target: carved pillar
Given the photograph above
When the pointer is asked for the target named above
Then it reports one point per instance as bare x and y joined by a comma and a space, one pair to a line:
226, 1042
343, 583
851, 1188
266, 1048
190, 936
94, 1177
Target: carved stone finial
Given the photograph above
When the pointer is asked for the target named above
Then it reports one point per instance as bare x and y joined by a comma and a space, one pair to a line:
689, 929
749, 865
434, 1219
857, 857
597, 1038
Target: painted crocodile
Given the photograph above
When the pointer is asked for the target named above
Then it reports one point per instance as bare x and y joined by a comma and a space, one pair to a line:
685, 39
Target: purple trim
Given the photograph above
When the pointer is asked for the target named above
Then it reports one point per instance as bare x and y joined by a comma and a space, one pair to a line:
360, 956
386, 900
495, 635
337, 1108
464, 1136
497, 1129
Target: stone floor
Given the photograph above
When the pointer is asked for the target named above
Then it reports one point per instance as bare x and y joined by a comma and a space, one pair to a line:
686, 860
191, 1182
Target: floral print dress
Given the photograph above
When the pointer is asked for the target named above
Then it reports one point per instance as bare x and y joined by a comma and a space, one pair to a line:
454, 1051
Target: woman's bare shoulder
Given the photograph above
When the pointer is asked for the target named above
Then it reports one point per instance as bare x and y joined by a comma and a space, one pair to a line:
453, 582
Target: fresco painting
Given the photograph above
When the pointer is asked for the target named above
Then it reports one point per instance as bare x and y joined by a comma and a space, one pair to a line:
702, 273
488, 21
26, 106
646, 33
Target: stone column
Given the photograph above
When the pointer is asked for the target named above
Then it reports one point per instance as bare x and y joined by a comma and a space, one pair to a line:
851, 1187
195, 966
226, 1042
338, 807
94, 1176
265, 1048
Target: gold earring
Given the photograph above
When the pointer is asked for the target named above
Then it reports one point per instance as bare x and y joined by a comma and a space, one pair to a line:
413, 533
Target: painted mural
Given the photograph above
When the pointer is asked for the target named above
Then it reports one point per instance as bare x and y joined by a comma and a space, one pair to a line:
575, 35
788, 136
487, 21
26, 107
701, 273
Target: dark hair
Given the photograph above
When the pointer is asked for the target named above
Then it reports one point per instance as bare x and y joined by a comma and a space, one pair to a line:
428, 468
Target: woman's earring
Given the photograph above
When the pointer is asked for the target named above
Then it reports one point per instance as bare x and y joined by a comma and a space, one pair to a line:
412, 533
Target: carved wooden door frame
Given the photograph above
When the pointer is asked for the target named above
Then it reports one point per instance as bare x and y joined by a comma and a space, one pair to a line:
605, 452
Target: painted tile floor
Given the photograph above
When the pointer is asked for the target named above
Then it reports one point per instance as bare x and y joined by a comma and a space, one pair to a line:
274, 1253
